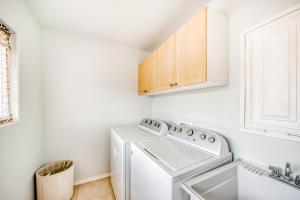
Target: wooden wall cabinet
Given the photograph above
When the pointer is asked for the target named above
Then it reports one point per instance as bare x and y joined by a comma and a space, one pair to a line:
270, 84
193, 57
167, 72
147, 74
191, 50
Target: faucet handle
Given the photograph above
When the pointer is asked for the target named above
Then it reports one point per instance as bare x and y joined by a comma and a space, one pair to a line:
276, 171
297, 180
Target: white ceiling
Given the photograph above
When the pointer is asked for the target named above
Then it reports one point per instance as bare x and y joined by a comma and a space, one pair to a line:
141, 24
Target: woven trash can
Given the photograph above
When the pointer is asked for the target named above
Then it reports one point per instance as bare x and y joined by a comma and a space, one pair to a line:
54, 181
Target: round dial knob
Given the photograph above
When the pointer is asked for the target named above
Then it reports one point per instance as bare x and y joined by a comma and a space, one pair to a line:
202, 136
150, 122
190, 132
179, 130
174, 128
211, 139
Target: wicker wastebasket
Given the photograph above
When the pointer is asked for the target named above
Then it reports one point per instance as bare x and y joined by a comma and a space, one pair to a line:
54, 181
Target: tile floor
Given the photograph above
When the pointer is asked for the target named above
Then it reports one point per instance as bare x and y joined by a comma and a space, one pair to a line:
96, 190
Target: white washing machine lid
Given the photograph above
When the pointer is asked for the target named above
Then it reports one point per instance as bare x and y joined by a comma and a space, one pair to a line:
131, 133
175, 155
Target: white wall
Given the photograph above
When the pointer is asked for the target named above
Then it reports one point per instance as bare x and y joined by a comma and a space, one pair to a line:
21, 143
90, 86
219, 107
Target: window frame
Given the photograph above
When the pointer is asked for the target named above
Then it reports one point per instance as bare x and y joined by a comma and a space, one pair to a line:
13, 77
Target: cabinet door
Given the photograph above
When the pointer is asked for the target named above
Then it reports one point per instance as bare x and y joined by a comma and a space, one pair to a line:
148, 74
272, 78
166, 64
191, 50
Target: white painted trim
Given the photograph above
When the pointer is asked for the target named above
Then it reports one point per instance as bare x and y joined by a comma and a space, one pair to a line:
187, 88
242, 80
93, 178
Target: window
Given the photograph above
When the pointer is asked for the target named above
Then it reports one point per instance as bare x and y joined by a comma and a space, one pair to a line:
6, 113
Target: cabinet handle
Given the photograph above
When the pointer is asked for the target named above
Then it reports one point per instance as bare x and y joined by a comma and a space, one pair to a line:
145, 91
171, 85
175, 84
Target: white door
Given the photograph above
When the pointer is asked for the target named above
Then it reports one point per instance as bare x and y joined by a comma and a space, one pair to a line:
272, 78
147, 180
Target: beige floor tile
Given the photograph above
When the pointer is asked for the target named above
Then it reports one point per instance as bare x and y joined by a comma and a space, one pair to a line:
75, 192
96, 190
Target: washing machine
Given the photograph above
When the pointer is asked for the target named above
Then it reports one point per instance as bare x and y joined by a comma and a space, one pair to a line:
120, 151
160, 165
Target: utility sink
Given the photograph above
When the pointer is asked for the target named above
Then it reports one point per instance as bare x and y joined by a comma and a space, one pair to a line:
239, 180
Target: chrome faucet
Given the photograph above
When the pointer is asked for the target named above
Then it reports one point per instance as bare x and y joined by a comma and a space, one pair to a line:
286, 178
288, 172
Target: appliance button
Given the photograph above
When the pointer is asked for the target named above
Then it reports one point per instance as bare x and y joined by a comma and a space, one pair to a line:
211, 139
202, 136
174, 128
190, 132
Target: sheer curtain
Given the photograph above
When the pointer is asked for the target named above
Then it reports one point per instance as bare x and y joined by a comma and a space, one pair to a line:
5, 54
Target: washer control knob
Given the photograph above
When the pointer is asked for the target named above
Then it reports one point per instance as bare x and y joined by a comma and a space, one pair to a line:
150, 122
179, 130
202, 136
158, 125
190, 132
212, 139
174, 128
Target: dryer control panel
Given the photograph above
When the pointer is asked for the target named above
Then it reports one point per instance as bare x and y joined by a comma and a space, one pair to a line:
201, 138
157, 127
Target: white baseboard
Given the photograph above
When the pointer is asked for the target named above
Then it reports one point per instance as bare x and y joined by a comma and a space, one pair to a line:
93, 178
